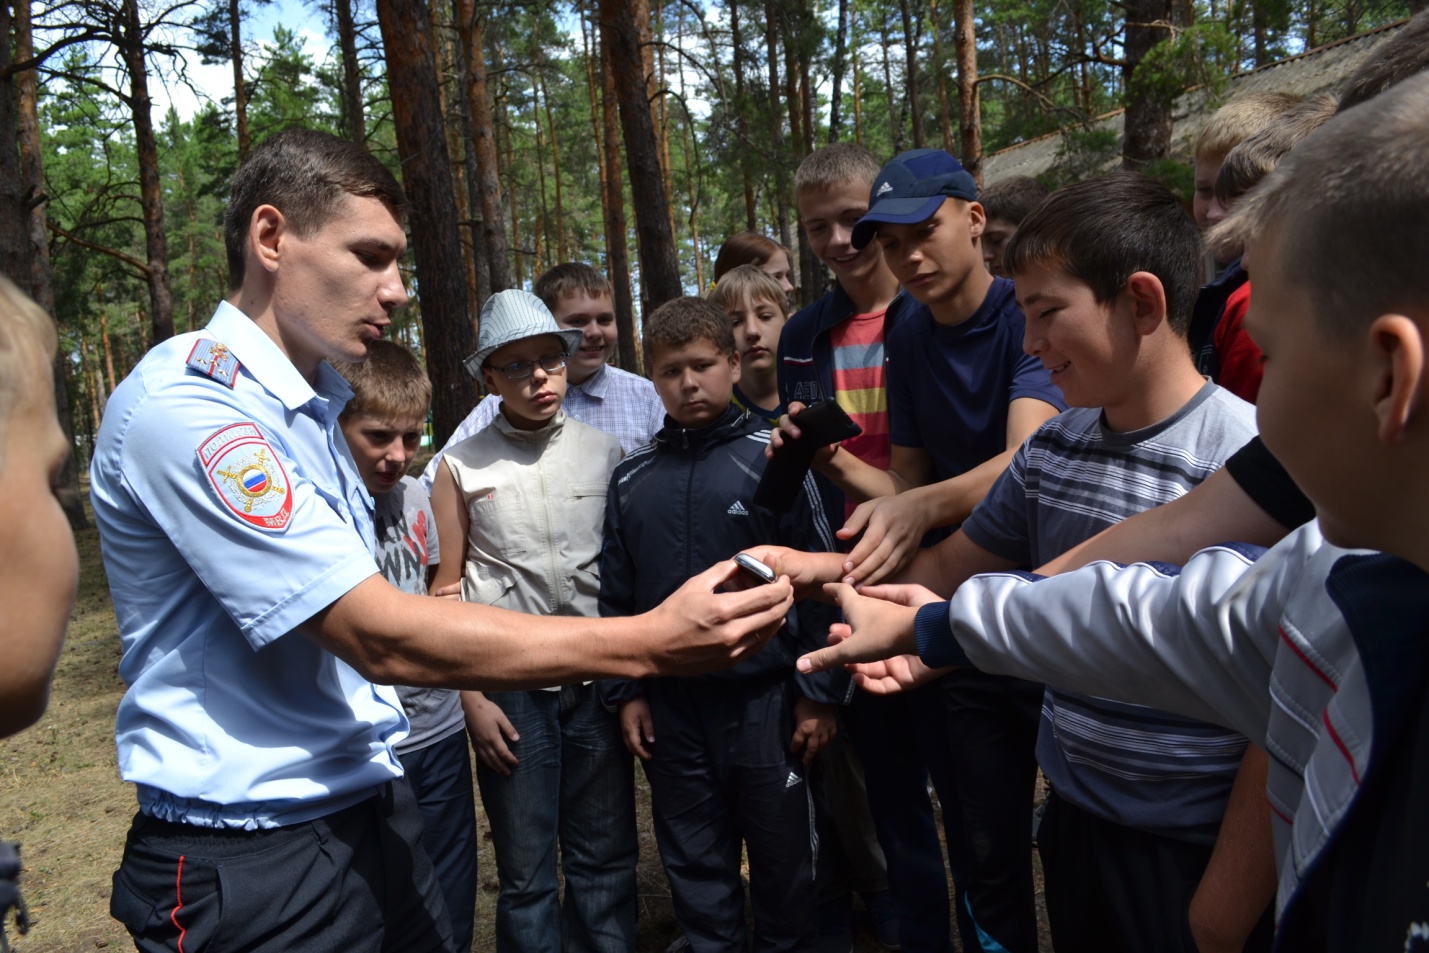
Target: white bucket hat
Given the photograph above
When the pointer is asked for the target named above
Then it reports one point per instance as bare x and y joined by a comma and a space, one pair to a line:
512, 316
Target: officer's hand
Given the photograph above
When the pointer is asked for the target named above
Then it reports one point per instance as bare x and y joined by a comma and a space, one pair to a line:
892, 527
873, 629
698, 629
814, 727
637, 726
902, 673
490, 730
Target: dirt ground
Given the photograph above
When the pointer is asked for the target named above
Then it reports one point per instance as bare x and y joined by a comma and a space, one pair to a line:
61, 797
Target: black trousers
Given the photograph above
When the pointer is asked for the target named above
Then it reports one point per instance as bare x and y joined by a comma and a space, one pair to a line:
356, 881
440, 776
992, 725
1116, 889
721, 773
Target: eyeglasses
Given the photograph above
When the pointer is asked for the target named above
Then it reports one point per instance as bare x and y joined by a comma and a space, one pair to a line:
520, 370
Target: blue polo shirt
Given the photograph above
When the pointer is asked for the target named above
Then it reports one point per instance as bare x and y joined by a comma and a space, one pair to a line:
230, 511
949, 387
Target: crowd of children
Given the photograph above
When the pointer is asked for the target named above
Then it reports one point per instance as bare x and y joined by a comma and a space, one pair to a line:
1234, 749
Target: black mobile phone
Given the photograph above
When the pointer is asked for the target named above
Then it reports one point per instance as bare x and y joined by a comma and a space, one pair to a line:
755, 568
820, 425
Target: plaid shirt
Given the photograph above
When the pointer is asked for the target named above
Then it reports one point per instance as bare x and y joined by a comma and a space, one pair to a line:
618, 402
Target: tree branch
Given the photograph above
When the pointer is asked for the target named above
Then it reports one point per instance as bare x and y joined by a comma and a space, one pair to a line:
113, 253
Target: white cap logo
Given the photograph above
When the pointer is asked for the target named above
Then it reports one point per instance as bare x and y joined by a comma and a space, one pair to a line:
885, 187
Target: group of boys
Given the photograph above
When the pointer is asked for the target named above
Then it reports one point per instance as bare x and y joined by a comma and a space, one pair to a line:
240, 532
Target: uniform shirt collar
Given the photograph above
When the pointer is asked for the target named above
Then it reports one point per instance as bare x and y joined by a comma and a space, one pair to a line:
268, 364
596, 385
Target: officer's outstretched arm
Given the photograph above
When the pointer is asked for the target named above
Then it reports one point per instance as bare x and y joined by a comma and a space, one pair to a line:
394, 638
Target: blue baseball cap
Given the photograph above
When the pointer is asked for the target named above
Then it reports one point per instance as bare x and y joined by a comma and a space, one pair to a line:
910, 188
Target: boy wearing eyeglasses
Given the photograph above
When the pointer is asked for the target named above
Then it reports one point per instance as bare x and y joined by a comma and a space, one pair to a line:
523, 501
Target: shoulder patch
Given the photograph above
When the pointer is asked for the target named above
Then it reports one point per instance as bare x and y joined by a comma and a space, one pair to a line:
214, 359
248, 476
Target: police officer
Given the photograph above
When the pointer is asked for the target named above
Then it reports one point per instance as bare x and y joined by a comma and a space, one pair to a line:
259, 638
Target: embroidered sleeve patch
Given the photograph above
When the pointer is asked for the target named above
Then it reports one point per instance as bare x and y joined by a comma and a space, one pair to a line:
248, 476
215, 360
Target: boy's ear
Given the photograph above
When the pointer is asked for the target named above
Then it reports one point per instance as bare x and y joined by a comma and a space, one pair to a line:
1146, 296
488, 377
1397, 349
734, 367
264, 230
977, 219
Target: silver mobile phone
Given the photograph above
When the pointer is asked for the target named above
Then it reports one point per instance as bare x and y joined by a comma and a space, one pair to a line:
755, 568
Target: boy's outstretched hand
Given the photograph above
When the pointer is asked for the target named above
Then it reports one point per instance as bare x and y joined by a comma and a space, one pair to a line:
901, 673
637, 726
892, 527
878, 624
807, 572
814, 727
699, 629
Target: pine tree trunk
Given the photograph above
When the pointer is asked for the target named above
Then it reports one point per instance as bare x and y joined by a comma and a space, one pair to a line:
41, 286
741, 119
14, 218
945, 125
840, 55
560, 243
161, 304
969, 106
895, 123
475, 218
659, 266
659, 101
617, 250
353, 118
776, 123
910, 46
436, 241
240, 90
1148, 118
483, 143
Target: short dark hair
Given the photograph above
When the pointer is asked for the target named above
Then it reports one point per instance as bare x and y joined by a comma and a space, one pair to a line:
390, 383
1391, 62
1348, 206
1254, 158
746, 248
1103, 230
681, 321
570, 278
1012, 200
302, 172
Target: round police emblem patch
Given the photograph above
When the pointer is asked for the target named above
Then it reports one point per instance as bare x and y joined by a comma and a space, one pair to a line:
247, 475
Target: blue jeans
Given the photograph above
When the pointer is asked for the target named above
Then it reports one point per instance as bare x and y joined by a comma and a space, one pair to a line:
574, 785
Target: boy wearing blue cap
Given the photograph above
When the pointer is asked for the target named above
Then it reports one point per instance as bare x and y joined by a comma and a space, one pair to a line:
962, 396
524, 501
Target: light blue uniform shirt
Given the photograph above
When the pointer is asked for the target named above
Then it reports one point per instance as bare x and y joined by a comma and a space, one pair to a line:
218, 542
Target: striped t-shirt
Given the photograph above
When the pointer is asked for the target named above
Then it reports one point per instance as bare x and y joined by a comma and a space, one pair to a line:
859, 385
1128, 764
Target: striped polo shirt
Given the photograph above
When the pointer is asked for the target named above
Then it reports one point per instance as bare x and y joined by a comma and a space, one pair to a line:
1131, 765
860, 388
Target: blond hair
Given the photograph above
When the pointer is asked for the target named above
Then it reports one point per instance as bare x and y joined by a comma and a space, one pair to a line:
746, 281
1348, 207
834, 165
390, 383
1238, 120
1253, 159
571, 278
27, 342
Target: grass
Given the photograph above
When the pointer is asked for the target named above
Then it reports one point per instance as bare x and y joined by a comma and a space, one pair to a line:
61, 797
